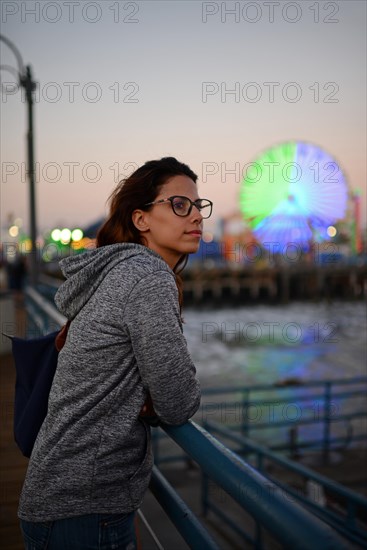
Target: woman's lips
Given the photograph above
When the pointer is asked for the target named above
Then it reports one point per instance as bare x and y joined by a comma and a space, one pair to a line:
195, 233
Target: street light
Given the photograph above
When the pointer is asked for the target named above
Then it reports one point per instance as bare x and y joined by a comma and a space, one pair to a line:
24, 76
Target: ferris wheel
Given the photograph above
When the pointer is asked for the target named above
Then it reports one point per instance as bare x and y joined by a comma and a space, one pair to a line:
293, 193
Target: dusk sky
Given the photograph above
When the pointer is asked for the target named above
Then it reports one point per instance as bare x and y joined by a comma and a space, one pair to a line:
121, 83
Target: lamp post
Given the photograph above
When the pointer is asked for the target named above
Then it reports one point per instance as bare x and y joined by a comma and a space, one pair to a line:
25, 80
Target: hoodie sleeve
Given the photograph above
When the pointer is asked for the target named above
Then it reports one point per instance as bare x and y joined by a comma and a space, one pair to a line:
153, 320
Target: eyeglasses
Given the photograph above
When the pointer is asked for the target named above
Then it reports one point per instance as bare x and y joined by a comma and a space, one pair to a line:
182, 206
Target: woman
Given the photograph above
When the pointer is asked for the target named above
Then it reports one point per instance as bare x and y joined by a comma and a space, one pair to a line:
124, 351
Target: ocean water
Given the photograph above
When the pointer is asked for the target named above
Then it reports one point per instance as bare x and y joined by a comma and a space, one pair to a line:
263, 345
267, 344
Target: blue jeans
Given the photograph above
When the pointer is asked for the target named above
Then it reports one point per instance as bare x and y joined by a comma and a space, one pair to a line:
90, 532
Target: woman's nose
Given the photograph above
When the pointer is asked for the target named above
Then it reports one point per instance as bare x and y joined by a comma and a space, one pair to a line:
196, 214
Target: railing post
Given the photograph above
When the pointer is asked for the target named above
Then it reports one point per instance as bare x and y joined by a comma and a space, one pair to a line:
260, 461
293, 440
326, 417
155, 445
258, 537
204, 493
245, 404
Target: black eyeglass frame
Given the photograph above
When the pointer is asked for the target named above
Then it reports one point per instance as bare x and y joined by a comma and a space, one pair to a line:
192, 203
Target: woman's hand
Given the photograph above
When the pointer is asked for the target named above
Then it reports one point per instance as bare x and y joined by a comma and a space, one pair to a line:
148, 409
148, 413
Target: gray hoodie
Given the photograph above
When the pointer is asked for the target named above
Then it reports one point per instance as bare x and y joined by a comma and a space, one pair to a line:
92, 454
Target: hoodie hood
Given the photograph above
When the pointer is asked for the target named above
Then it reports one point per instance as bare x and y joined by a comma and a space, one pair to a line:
85, 272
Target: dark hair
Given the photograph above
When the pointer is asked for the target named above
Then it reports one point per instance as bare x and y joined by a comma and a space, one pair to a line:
132, 193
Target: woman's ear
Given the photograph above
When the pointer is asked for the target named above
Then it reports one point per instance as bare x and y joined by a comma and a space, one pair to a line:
139, 219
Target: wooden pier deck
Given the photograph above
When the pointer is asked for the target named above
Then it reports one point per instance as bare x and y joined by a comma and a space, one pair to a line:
12, 463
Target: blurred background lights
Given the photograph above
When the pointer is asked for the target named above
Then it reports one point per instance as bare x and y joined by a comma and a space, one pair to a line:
18, 222
208, 237
27, 245
55, 235
65, 235
77, 234
14, 231
298, 192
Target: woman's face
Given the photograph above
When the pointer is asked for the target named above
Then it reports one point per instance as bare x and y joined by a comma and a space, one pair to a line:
165, 232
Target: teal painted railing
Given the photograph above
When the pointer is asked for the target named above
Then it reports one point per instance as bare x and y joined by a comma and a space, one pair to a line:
296, 419
352, 506
297, 406
186, 523
289, 523
42, 316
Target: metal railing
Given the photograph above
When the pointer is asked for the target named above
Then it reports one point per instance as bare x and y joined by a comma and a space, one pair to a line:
292, 418
289, 523
186, 523
351, 505
304, 407
42, 316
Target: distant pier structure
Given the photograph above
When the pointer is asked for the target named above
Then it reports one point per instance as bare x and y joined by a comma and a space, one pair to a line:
225, 285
